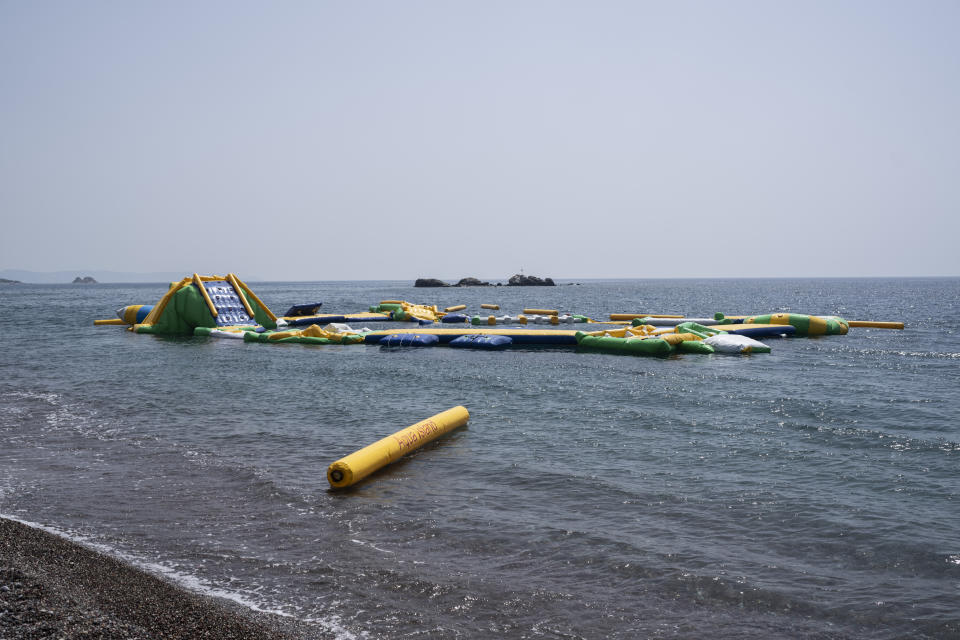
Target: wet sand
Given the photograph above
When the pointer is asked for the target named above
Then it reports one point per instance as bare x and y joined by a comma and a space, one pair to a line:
51, 587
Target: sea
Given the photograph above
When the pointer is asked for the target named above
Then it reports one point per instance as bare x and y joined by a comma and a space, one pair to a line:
811, 492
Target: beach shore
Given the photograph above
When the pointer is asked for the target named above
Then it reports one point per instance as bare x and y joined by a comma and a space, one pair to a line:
52, 587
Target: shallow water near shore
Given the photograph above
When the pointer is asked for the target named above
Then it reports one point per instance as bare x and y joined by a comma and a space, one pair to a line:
810, 492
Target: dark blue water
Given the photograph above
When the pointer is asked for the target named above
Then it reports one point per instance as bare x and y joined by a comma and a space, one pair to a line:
811, 492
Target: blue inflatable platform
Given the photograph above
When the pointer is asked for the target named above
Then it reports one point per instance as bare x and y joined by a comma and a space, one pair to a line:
409, 340
758, 331
487, 342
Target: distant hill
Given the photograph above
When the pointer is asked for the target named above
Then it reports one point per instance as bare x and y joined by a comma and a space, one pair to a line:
66, 277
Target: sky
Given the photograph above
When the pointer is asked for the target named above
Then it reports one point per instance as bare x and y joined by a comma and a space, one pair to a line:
395, 140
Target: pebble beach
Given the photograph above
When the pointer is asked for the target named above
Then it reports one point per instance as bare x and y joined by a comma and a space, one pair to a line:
51, 587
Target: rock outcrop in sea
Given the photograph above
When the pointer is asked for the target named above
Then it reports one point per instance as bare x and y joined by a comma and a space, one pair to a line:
473, 282
517, 280
520, 280
464, 282
430, 282
84, 280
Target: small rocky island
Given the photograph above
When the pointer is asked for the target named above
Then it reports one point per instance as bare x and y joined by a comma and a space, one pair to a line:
430, 282
84, 280
520, 280
472, 282
464, 282
517, 280
5, 281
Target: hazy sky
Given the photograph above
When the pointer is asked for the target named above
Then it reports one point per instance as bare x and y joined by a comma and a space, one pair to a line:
397, 139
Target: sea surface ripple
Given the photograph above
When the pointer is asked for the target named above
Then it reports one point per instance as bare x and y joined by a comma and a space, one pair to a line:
807, 493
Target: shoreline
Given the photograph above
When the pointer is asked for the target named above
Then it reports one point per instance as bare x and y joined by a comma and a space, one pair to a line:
53, 587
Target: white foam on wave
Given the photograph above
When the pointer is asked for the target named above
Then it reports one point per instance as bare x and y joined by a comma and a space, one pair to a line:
63, 414
331, 624
7, 486
50, 398
844, 349
369, 544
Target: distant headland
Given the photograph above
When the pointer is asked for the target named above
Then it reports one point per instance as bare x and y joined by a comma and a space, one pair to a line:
98, 275
516, 280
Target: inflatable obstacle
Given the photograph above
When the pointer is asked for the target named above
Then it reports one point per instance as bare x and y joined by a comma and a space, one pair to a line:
630, 346
627, 332
698, 330
800, 318
206, 301
688, 337
129, 315
314, 334
803, 324
134, 313
403, 311
408, 312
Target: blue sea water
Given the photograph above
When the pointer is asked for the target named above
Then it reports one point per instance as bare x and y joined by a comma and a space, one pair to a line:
807, 493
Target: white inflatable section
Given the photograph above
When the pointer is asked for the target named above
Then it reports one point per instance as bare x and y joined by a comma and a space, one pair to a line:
672, 322
732, 343
219, 333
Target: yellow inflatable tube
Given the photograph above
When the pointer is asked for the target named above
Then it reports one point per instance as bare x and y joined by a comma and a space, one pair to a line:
631, 316
875, 325
625, 332
360, 464
206, 296
542, 312
232, 279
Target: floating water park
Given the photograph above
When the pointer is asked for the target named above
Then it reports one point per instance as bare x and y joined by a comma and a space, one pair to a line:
225, 307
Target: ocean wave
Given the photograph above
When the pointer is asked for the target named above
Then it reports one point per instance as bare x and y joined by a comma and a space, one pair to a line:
903, 353
56, 412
